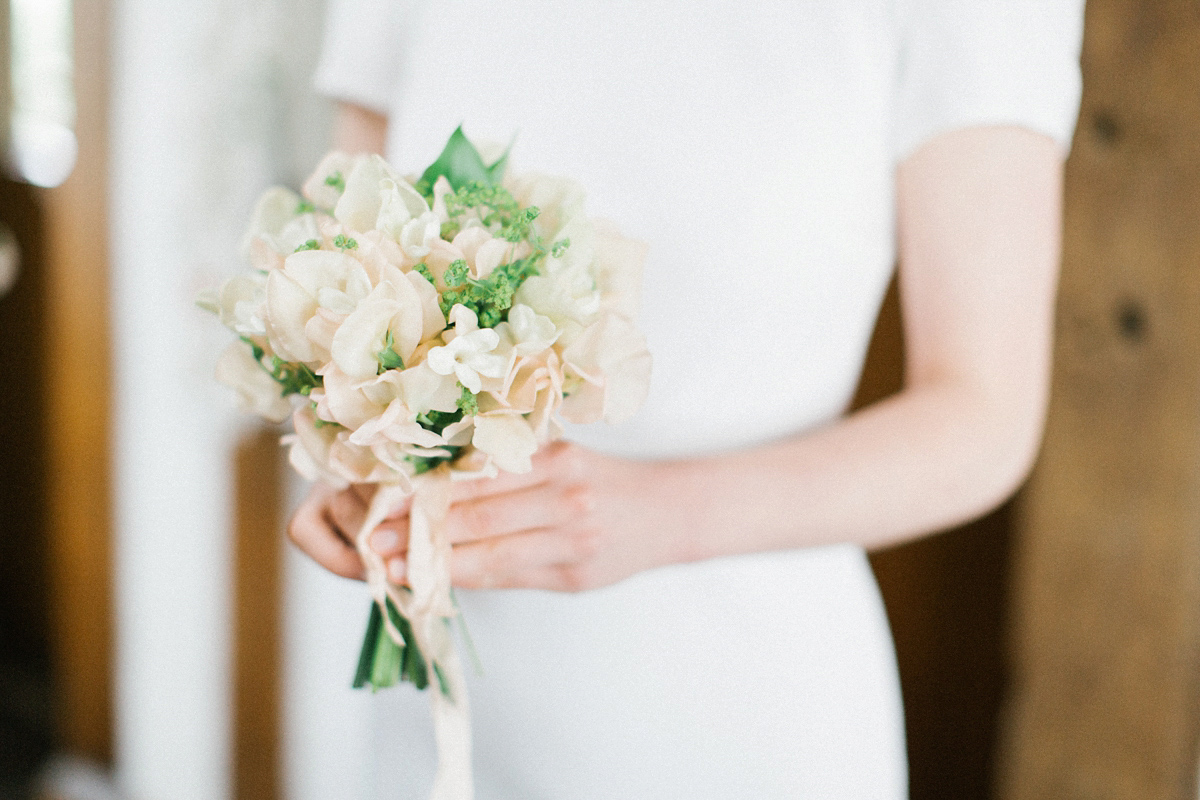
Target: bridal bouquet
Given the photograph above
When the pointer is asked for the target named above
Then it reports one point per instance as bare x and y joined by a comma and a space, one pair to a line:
420, 331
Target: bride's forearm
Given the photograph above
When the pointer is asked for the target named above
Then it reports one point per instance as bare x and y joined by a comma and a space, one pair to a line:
922, 461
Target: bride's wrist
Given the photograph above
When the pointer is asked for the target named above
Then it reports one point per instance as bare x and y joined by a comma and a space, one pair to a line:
686, 487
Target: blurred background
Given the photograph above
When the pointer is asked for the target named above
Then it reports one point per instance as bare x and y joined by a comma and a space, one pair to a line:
1051, 650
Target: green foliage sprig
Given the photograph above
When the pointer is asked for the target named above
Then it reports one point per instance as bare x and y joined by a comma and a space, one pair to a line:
461, 164
293, 377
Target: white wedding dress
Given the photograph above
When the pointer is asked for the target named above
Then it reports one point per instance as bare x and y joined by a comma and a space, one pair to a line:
753, 145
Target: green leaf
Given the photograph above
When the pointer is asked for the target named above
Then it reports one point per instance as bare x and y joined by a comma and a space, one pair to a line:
311, 244
413, 668
443, 684
496, 170
255, 349
292, 377
366, 658
387, 666
388, 358
460, 164
423, 464
437, 421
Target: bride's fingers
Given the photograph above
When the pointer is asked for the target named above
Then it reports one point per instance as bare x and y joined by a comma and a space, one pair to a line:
481, 509
390, 538
541, 506
347, 512
551, 462
487, 518
314, 531
365, 491
470, 490
545, 559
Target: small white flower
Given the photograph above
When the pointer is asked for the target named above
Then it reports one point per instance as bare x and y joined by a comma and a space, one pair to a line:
560, 199
240, 304
508, 439
610, 366
418, 234
405, 217
345, 299
528, 331
323, 188
441, 188
399, 202
568, 297
469, 354
482, 251
278, 223
257, 391
359, 206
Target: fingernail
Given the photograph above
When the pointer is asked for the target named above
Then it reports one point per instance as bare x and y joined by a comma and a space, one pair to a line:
396, 569
384, 541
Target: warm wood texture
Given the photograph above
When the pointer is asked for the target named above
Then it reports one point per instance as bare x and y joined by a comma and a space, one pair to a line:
945, 599
1107, 613
25, 728
258, 590
78, 402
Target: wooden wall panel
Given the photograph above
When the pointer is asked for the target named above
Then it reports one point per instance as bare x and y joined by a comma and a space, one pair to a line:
258, 611
78, 409
1107, 618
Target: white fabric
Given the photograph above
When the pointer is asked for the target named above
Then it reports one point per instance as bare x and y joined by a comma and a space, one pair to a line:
755, 152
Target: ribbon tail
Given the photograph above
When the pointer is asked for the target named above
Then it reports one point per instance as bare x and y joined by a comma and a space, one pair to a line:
452, 729
431, 607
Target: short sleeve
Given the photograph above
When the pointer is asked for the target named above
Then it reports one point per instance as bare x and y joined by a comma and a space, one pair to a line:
360, 55
987, 62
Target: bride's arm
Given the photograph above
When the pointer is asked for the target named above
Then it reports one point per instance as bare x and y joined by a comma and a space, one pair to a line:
359, 130
979, 236
978, 217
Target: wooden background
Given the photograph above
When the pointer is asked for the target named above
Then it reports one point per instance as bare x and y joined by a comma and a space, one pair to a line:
1106, 689
1052, 650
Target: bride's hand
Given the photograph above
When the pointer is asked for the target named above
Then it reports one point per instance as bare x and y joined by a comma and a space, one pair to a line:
578, 520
